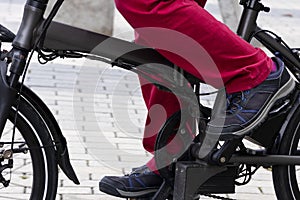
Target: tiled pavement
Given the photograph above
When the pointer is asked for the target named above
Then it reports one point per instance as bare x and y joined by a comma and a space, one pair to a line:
101, 112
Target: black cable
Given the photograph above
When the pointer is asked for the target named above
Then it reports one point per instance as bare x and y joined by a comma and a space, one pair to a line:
45, 27
247, 173
277, 37
208, 93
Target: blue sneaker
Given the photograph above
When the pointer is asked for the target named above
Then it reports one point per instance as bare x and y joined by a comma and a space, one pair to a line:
141, 182
240, 113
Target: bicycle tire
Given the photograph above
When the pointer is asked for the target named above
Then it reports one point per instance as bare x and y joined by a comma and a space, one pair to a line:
285, 180
42, 182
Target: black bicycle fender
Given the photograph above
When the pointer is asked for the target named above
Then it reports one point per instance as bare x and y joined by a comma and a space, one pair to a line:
55, 131
7, 96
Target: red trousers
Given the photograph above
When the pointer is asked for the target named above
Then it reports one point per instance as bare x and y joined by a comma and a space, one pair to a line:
238, 65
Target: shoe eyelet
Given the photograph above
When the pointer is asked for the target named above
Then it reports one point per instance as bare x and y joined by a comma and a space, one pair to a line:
247, 92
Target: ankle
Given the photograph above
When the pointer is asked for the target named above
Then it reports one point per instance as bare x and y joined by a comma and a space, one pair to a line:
274, 67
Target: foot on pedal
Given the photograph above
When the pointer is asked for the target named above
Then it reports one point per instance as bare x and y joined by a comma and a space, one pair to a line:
140, 183
240, 113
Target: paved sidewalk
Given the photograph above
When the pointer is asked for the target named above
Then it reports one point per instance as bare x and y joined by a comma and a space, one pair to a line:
101, 111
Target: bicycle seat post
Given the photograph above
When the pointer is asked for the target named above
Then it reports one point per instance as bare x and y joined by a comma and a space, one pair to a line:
249, 16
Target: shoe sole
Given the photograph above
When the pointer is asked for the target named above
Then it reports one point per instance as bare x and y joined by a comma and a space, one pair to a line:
144, 193
282, 92
107, 188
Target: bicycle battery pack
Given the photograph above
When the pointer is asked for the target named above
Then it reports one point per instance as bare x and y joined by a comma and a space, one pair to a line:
220, 183
194, 178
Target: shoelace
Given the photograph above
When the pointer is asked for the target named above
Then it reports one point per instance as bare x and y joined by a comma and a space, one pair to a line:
234, 101
139, 170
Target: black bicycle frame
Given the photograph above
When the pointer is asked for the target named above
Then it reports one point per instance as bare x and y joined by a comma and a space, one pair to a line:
63, 37
124, 54
22, 45
67, 38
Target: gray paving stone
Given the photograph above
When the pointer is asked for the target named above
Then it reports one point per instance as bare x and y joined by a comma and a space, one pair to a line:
74, 190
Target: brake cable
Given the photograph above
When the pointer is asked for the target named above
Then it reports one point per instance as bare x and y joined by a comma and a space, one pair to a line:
46, 24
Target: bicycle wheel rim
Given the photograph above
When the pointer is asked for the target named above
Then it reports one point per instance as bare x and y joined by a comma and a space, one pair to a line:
292, 169
286, 178
34, 175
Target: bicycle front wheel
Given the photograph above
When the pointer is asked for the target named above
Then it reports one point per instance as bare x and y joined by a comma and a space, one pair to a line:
286, 179
33, 173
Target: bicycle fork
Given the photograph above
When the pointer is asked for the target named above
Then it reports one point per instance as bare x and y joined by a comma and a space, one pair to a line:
23, 43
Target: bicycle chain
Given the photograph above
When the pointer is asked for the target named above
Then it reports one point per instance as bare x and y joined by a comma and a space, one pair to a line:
207, 195
217, 197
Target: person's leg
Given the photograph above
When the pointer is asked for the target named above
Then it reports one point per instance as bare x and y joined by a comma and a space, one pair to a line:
160, 105
145, 181
221, 59
241, 67
233, 56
